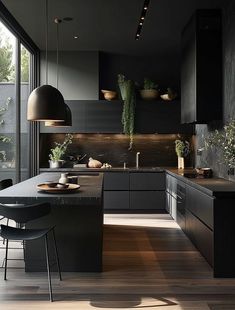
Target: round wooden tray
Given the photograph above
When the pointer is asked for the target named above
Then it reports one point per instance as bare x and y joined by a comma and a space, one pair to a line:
45, 188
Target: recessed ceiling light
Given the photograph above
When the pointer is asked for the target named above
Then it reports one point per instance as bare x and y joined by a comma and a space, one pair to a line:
145, 8
142, 17
75, 37
141, 24
137, 34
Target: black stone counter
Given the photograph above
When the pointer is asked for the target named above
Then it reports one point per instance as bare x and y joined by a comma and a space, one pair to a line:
217, 187
26, 191
101, 170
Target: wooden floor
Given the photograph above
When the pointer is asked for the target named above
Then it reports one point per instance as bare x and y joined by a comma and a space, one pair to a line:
148, 264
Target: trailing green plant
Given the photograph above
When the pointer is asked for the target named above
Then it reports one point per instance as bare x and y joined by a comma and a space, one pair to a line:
149, 84
60, 149
182, 148
224, 141
127, 90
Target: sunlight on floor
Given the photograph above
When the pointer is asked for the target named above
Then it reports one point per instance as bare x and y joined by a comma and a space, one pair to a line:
142, 220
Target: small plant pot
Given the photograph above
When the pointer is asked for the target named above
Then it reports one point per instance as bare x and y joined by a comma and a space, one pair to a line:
180, 162
149, 94
56, 164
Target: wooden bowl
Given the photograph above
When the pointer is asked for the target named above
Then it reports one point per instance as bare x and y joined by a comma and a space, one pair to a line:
109, 94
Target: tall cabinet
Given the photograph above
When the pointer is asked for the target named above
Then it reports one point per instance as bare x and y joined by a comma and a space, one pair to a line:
201, 68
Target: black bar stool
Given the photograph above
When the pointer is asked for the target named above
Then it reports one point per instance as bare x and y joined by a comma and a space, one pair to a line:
22, 215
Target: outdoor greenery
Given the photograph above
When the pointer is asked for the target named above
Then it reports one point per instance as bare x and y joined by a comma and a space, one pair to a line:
182, 148
7, 69
149, 84
127, 90
3, 138
58, 152
224, 141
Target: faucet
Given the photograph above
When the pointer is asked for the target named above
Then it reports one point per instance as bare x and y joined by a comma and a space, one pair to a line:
137, 159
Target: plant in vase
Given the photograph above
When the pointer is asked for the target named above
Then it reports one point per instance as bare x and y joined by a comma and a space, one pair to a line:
224, 141
182, 149
58, 152
127, 90
150, 90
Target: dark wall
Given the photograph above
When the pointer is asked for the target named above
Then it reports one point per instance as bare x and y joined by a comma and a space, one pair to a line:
78, 74
209, 157
162, 69
156, 150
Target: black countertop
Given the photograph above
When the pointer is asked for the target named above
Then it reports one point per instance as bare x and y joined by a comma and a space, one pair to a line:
217, 187
100, 170
89, 193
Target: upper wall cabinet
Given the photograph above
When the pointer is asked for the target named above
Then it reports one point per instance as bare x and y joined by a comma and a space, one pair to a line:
101, 116
201, 73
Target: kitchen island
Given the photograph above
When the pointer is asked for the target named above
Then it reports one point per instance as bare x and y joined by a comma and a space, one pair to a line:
78, 218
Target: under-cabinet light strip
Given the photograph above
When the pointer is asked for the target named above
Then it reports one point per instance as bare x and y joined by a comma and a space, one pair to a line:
142, 18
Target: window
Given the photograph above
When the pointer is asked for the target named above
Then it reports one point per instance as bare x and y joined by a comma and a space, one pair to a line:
17, 80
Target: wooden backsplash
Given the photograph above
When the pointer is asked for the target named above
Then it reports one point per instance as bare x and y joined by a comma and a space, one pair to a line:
156, 149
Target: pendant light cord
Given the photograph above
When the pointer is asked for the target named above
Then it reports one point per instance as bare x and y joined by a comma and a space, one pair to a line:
57, 55
46, 15
57, 21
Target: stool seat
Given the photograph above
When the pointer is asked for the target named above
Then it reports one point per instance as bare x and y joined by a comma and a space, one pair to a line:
13, 233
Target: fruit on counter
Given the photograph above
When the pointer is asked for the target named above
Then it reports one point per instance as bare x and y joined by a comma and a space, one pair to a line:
106, 165
93, 163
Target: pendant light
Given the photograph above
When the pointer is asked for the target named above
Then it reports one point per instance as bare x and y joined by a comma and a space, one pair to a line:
68, 115
46, 103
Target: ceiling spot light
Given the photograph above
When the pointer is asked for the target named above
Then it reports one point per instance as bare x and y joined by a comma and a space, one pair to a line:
75, 37
142, 18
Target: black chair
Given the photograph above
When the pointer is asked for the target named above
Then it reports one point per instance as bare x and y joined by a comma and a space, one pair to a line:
23, 215
5, 183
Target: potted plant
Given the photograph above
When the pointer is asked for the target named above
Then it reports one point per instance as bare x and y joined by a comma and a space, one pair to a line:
58, 152
182, 149
224, 142
150, 90
127, 90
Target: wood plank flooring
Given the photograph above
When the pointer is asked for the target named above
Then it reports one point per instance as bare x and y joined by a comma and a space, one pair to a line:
148, 264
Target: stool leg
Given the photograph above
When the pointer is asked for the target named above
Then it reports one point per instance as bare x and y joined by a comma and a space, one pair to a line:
56, 254
5, 270
48, 268
6, 225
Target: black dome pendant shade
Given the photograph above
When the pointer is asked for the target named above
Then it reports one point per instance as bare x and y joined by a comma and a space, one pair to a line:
46, 103
66, 123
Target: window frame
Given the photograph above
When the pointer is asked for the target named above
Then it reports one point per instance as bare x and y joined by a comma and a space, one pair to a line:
22, 38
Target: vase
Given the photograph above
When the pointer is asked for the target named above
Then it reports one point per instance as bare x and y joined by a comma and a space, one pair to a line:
63, 178
180, 162
56, 163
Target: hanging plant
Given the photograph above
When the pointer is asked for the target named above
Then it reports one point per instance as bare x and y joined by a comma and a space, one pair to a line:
127, 90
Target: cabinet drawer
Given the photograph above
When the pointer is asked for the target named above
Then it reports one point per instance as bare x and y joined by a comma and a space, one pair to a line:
200, 205
171, 184
116, 200
200, 235
147, 200
147, 181
116, 181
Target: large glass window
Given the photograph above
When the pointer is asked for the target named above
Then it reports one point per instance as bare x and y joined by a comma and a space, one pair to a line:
15, 87
8, 45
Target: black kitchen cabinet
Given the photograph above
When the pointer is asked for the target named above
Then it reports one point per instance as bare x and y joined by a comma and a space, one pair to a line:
96, 116
102, 116
134, 191
147, 181
161, 117
201, 68
200, 235
147, 200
